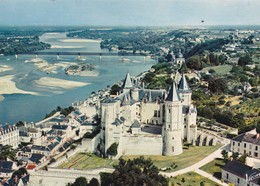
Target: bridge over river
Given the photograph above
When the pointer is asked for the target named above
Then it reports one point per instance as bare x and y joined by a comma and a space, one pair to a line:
87, 53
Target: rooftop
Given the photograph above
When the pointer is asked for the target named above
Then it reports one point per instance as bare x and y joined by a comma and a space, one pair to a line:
247, 137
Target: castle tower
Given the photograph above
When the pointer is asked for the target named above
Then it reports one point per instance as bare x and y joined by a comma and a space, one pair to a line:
184, 91
109, 112
127, 85
173, 126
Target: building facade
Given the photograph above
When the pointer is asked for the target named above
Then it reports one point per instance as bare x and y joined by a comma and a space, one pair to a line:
148, 122
246, 143
9, 135
240, 174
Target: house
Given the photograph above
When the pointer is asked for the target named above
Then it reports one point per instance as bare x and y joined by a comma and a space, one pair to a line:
7, 168
246, 143
37, 149
9, 135
240, 174
37, 158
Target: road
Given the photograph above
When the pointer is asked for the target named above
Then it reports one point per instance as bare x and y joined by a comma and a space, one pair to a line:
195, 167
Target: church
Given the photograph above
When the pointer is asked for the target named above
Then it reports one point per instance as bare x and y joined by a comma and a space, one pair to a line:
148, 122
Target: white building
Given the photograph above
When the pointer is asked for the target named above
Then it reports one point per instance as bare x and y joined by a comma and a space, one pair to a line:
148, 122
240, 174
246, 143
9, 135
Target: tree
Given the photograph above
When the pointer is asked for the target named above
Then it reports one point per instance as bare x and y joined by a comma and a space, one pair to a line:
235, 155
258, 128
6, 151
94, 182
112, 150
245, 60
115, 89
218, 85
138, 171
242, 158
80, 181
224, 154
194, 62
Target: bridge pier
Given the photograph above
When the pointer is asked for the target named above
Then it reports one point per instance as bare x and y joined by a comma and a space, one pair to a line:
58, 56
79, 57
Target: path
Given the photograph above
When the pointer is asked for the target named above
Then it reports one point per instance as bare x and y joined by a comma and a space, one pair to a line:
195, 167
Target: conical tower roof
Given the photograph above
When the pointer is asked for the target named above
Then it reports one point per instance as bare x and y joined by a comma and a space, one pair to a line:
177, 77
127, 82
183, 85
173, 95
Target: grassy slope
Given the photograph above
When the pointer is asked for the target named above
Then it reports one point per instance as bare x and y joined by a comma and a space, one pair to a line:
191, 179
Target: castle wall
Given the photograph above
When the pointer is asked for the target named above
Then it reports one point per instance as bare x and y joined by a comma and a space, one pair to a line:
147, 113
141, 145
90, 145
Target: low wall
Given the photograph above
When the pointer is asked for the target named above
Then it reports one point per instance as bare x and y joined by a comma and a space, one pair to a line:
141, 145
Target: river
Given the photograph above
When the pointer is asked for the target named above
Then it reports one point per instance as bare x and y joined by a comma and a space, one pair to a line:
34, 100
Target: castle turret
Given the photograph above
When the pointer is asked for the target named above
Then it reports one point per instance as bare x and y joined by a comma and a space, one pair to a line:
127, 85
172, 129
184, 91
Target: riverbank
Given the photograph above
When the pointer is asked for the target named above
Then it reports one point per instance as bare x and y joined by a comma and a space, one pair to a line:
4, 68
8, 86
1, 98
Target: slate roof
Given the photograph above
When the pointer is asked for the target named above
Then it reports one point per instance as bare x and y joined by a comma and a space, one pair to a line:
136, 124
127, 82
36, 158
247, 137
59, 127
241, 170
38, 147
6, 166
151, 95
183, 85
173, 95
51, 146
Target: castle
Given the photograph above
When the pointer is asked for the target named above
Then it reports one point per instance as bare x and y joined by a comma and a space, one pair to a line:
148, 122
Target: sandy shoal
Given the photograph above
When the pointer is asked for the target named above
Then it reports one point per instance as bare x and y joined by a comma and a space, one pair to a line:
49, 82
84, 73
4, 68
59, 46
9, 87
80, 40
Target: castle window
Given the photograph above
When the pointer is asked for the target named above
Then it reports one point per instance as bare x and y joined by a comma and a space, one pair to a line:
173, 138
245, 145
158, 114
256, 154
233, 143
256, 147
172, 149
169, 110
155, 113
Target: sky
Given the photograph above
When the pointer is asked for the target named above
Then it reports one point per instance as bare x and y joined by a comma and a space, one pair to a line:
128, 12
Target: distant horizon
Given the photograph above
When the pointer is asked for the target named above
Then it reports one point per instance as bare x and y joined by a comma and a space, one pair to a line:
162, 13
135, 26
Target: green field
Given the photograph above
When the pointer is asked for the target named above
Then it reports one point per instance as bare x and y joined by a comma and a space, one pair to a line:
220, 70
187, 158
87, 161
191, 179
214, 167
